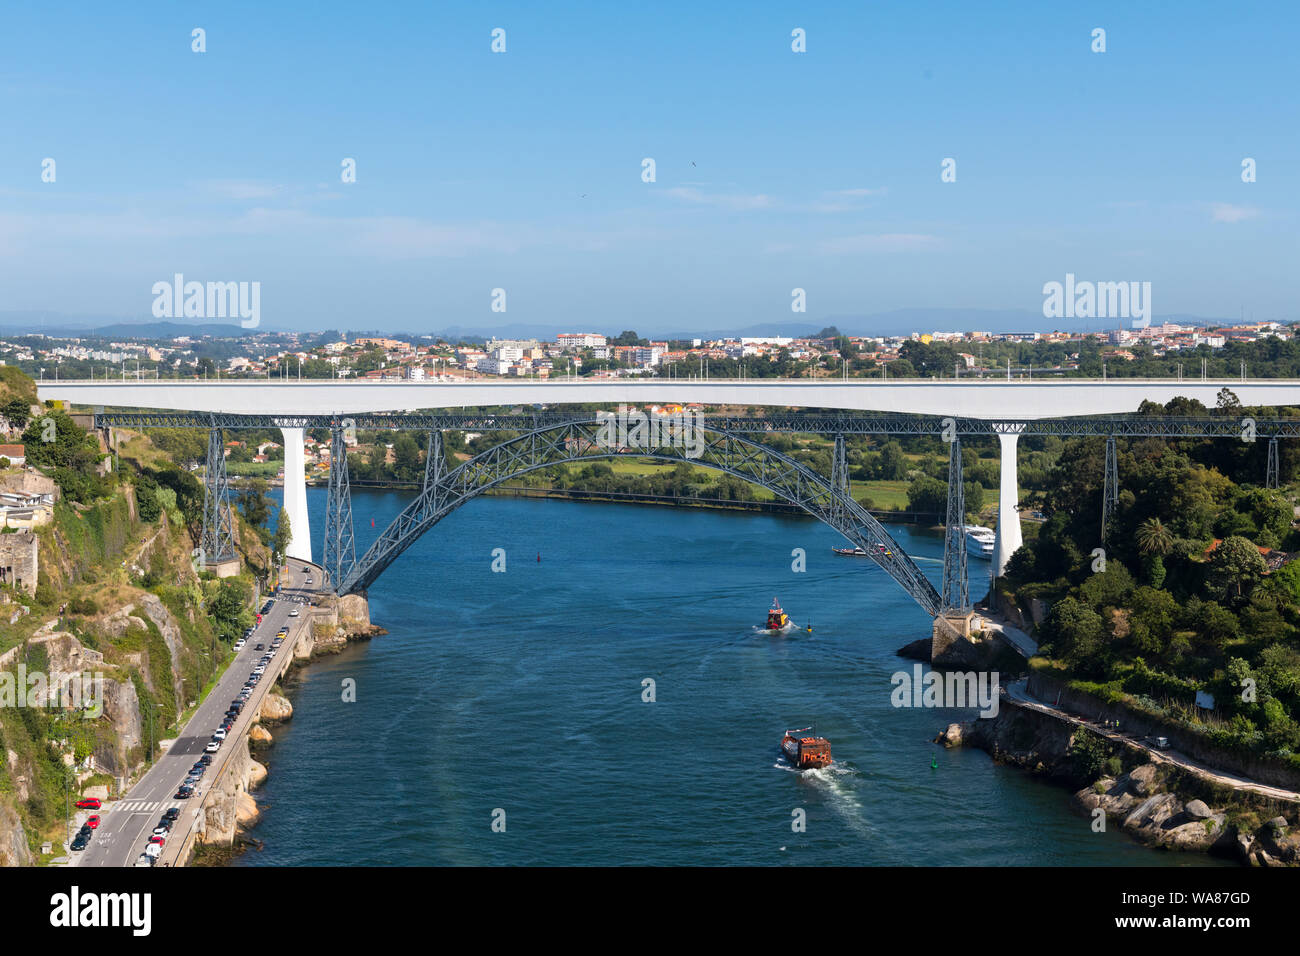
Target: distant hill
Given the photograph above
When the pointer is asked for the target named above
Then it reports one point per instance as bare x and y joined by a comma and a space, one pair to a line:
896, 322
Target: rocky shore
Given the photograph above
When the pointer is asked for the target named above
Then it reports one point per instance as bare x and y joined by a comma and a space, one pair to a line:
1159, 804
230, 811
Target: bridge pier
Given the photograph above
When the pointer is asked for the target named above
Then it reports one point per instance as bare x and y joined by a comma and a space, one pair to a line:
1009, 538
956, 590
217, 544
339, 545
1110, 488
295, 493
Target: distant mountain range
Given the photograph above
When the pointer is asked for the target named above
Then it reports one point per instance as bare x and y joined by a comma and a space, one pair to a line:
897, 322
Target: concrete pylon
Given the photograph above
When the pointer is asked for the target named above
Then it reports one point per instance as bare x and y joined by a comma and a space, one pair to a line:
1009, 538
295, 493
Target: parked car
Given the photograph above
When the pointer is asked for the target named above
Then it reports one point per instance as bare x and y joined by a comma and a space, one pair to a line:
293, 613
213, 746
92, 822
80, 842
144, 859
88, 803
185, 792
161, 831
153, 851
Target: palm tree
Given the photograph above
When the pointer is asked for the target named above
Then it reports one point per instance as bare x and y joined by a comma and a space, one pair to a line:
1154, 538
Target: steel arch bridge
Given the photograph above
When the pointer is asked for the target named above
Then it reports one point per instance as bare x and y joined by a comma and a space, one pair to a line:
582, 441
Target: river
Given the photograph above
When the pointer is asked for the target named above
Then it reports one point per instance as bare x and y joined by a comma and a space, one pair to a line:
521, 691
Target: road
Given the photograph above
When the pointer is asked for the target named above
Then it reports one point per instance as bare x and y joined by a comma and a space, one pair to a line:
1018, 691
126, 823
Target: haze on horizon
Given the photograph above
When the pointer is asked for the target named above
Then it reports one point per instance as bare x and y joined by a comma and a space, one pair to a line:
522, 170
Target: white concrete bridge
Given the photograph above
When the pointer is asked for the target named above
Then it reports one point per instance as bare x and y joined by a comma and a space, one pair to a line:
990, 399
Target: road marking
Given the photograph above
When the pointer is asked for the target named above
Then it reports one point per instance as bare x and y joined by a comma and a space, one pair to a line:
138, 806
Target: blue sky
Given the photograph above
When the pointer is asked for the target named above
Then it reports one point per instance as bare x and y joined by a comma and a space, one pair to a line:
522, 170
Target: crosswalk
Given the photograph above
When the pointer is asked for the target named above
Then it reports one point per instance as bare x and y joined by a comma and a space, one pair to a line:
139, 806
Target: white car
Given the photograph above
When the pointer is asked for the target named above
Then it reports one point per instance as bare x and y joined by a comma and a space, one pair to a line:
213, 746
219, 734
162, 831
145, 860
293, 613
259, 670
239, 645
153, 851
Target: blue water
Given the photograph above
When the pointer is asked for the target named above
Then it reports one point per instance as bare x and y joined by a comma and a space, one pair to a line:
522, 691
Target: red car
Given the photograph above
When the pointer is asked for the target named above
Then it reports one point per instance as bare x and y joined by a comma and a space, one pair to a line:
93, 822
90, 803
159, 840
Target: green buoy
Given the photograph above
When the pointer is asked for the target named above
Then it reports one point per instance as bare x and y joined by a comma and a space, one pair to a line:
934, 761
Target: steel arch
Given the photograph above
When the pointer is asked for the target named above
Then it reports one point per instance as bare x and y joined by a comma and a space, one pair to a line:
577, 441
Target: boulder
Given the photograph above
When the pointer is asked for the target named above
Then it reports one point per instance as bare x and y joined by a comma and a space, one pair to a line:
952, 736
1141, 781
1197, 810
258, 734
246, 812
275, 707
256, 775
1153, 811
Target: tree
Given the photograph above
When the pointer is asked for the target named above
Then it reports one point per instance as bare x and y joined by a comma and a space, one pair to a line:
255, 506
1227, 400
283, 535
229, 608
1154, 538
892, 465
17, 411
927, 494
1235, 566
1076, 634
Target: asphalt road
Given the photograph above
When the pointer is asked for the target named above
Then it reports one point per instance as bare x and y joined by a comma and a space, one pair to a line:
126, 824
1019, 692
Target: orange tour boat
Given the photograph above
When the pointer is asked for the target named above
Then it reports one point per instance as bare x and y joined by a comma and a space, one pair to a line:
805, 753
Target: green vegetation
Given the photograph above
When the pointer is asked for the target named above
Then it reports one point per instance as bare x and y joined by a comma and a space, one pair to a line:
1180, 598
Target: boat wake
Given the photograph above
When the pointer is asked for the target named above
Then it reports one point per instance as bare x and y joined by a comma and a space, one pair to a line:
837, 784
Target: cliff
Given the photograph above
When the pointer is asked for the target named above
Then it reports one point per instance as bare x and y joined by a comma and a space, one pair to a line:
1159, 804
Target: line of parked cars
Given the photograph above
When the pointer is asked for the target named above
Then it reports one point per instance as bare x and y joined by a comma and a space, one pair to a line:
82, 839
192, 780
158, 839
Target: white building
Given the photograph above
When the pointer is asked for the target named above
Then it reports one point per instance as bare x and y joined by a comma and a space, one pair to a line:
579, 340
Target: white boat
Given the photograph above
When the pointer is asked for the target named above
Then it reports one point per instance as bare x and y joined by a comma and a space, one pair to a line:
980, 541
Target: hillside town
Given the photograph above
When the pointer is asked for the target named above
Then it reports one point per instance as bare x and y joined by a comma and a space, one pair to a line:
597, 355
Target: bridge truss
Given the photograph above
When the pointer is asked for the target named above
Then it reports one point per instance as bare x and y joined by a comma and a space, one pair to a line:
583, 441
731, 447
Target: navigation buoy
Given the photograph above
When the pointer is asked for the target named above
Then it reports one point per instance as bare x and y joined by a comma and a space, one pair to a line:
372, 522
539, 557
934, 761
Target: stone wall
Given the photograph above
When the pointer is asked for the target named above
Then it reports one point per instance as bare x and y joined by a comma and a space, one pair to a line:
18, 560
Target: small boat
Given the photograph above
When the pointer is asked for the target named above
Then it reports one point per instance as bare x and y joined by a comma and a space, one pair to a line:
860, 552
778, 622
805, 753
980, 541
